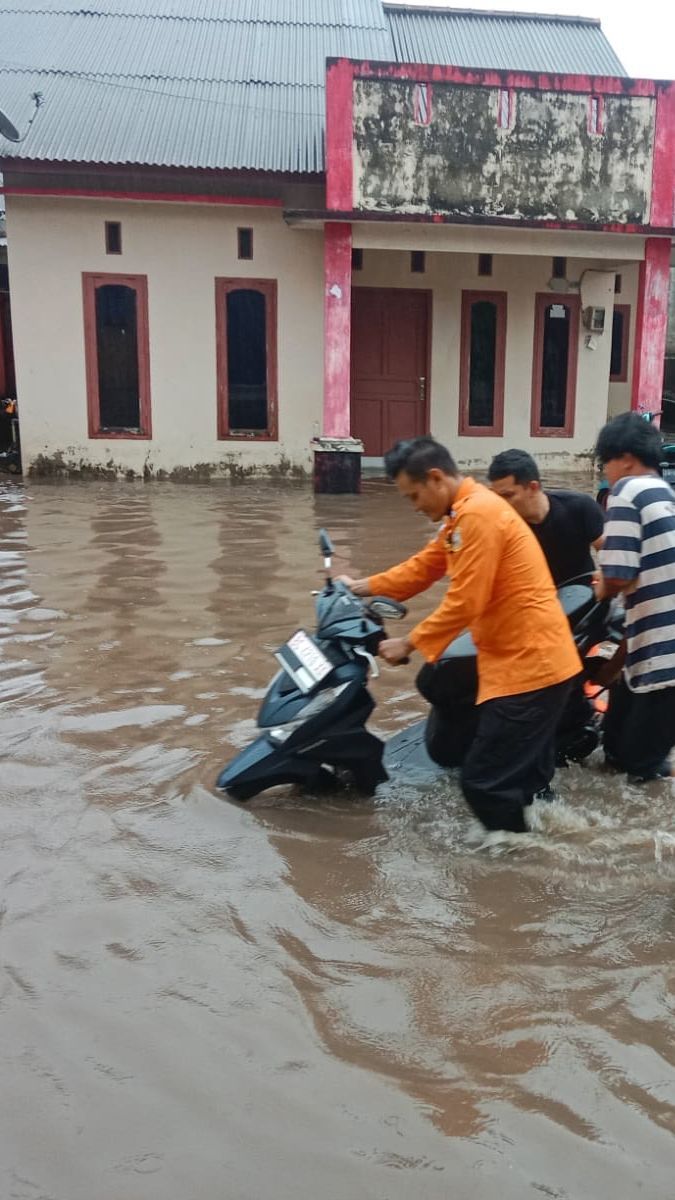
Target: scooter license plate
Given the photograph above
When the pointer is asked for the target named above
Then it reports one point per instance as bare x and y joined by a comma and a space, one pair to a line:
303, 660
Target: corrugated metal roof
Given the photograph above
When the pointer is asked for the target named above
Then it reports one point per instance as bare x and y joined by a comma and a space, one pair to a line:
516, 42
362, 14
234, 84
171, 123
145, 47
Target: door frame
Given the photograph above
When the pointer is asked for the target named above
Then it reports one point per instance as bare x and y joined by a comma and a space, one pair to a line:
542, 301
91, 280
429, 313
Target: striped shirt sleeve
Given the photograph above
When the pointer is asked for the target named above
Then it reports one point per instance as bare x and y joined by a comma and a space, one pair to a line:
620, 553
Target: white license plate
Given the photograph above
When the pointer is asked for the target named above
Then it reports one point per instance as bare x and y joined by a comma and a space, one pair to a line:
303, 660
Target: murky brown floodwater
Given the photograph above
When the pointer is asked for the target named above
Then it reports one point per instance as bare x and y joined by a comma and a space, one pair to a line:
355, 1001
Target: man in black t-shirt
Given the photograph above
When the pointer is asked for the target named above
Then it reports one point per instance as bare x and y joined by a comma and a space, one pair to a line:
566, 524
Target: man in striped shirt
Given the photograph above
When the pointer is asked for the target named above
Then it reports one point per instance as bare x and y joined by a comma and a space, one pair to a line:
638, 559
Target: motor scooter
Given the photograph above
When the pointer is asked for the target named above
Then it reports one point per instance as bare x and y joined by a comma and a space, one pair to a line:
10, 455
312, 720
313, 716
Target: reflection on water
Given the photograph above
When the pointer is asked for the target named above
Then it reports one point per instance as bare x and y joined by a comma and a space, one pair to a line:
370, 999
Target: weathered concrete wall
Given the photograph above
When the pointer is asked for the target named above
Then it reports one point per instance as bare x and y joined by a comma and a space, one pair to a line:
546, 165
447, 275
181, 249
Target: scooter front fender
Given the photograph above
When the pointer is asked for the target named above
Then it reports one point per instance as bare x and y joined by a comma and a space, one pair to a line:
263, 765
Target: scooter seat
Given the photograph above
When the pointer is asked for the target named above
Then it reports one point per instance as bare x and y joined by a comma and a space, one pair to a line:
462, 647
576, 600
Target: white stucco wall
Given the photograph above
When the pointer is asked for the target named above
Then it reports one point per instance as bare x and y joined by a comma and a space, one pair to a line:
181, 249
521, 277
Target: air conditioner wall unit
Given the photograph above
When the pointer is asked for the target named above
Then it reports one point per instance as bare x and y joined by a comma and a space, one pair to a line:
594, 319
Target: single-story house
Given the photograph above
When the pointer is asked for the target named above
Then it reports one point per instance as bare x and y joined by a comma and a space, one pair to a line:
245, 232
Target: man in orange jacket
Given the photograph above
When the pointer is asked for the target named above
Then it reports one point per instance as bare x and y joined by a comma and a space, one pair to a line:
501, 589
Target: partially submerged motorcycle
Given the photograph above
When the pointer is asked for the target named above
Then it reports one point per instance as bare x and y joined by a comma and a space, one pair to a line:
313, 716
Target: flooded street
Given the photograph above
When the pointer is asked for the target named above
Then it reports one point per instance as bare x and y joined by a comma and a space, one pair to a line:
298, 997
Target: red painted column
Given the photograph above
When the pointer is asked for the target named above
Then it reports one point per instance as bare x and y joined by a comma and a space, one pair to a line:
651, 326
337, 301
663, 170
339, 135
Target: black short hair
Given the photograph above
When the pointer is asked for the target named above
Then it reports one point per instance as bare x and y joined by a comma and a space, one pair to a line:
518, 463
630, 433
417, 456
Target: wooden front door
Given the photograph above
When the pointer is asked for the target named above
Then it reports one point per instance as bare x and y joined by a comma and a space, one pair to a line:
389, 366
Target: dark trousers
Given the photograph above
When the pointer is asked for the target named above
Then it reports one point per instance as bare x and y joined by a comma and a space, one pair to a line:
512, 755
639, 729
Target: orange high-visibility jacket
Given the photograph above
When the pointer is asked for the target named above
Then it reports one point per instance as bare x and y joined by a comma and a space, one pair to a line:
500, 588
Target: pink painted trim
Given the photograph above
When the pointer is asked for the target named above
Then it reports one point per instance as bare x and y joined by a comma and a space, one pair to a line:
510, 107
663, 170
651, 324
268, 288
139, 283
339, 120
622, 377
160, 197
337, 329
542, 302
497, 427
417, 107
596, 85
596, 127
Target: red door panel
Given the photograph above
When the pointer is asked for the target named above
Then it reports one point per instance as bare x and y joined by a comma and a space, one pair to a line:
389, 356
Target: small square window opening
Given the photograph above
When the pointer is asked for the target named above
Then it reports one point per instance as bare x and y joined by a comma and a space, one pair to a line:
357, 260
245, 243
484, 264
559, 268
422, 104
617, 285
113, 237
417, 262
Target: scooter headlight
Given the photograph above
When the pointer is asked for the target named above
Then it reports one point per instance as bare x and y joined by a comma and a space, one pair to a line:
316, 705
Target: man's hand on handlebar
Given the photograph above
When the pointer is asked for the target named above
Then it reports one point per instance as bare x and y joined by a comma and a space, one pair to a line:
358, 586
395, 650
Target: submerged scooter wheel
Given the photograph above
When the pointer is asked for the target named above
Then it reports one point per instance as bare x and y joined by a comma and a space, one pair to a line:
578, 747
241, 794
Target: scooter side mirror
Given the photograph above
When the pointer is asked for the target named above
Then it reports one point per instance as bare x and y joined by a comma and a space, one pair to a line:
387, 609
325, 544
